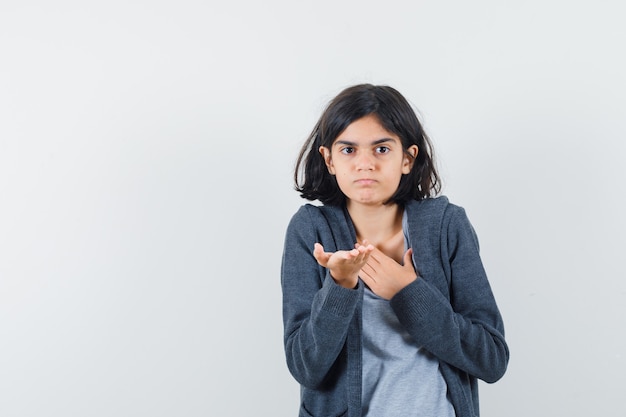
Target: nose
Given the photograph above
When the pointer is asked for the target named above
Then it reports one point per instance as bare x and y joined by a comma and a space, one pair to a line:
365, 162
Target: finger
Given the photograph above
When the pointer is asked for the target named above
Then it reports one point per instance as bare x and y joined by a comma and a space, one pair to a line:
369, 280
408, 257
371, 269
359, 245
367, 277
320, 256
367, 244
375, 257
364, 253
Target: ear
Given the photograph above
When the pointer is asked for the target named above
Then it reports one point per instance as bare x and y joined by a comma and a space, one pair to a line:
409, 158
327, 159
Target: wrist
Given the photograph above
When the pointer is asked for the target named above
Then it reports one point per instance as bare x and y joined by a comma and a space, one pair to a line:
350, 282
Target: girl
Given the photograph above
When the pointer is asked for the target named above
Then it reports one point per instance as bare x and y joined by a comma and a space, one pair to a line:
387, 309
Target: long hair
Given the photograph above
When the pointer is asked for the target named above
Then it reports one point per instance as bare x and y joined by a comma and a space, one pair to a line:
396, 115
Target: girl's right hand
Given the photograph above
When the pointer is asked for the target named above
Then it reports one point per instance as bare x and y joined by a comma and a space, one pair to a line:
344, 265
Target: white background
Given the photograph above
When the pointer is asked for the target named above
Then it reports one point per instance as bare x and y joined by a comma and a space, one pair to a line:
146, 156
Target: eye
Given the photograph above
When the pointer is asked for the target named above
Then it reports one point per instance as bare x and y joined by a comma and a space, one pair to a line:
347, 150
382, 149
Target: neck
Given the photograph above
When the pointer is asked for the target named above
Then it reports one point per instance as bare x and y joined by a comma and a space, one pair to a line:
376, 224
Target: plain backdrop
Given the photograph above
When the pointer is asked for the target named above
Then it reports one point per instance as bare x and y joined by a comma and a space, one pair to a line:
146, 157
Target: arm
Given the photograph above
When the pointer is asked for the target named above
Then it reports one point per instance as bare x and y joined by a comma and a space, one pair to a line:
467, 332
317, 311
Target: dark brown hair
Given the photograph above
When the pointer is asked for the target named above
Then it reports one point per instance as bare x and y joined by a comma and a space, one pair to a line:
396, 115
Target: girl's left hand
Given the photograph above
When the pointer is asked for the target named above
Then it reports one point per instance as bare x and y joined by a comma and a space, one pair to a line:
386, 277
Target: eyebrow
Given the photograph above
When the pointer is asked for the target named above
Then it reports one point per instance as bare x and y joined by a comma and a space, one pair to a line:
376, 142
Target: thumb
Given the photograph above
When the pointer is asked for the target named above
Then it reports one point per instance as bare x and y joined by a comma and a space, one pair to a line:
408, 257
320, 256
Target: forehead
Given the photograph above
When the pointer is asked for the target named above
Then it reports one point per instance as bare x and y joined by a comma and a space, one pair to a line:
367, 129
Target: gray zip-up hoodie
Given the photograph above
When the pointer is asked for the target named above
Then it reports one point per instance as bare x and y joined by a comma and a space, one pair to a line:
450, 309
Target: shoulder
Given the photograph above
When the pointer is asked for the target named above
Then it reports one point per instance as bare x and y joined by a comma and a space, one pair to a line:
312, 218
429, 209
305, 215
455, 225
437, 216
435, 207
310, 212
329, 225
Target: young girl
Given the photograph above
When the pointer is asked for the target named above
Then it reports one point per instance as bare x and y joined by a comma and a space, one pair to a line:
387, 309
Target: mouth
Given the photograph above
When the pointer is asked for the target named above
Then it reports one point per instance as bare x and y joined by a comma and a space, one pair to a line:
365, 181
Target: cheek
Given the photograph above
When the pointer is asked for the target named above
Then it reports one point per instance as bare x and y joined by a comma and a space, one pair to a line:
342, 178
343, 182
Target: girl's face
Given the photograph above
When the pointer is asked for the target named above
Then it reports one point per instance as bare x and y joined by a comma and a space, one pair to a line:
368, 161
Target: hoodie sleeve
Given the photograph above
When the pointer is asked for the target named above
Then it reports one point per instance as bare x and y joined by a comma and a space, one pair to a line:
467, 330
316, 311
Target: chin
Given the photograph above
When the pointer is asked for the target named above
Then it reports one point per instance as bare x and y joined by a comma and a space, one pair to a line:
369, 202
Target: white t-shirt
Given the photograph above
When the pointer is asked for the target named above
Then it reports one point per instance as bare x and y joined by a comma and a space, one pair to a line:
400, 378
